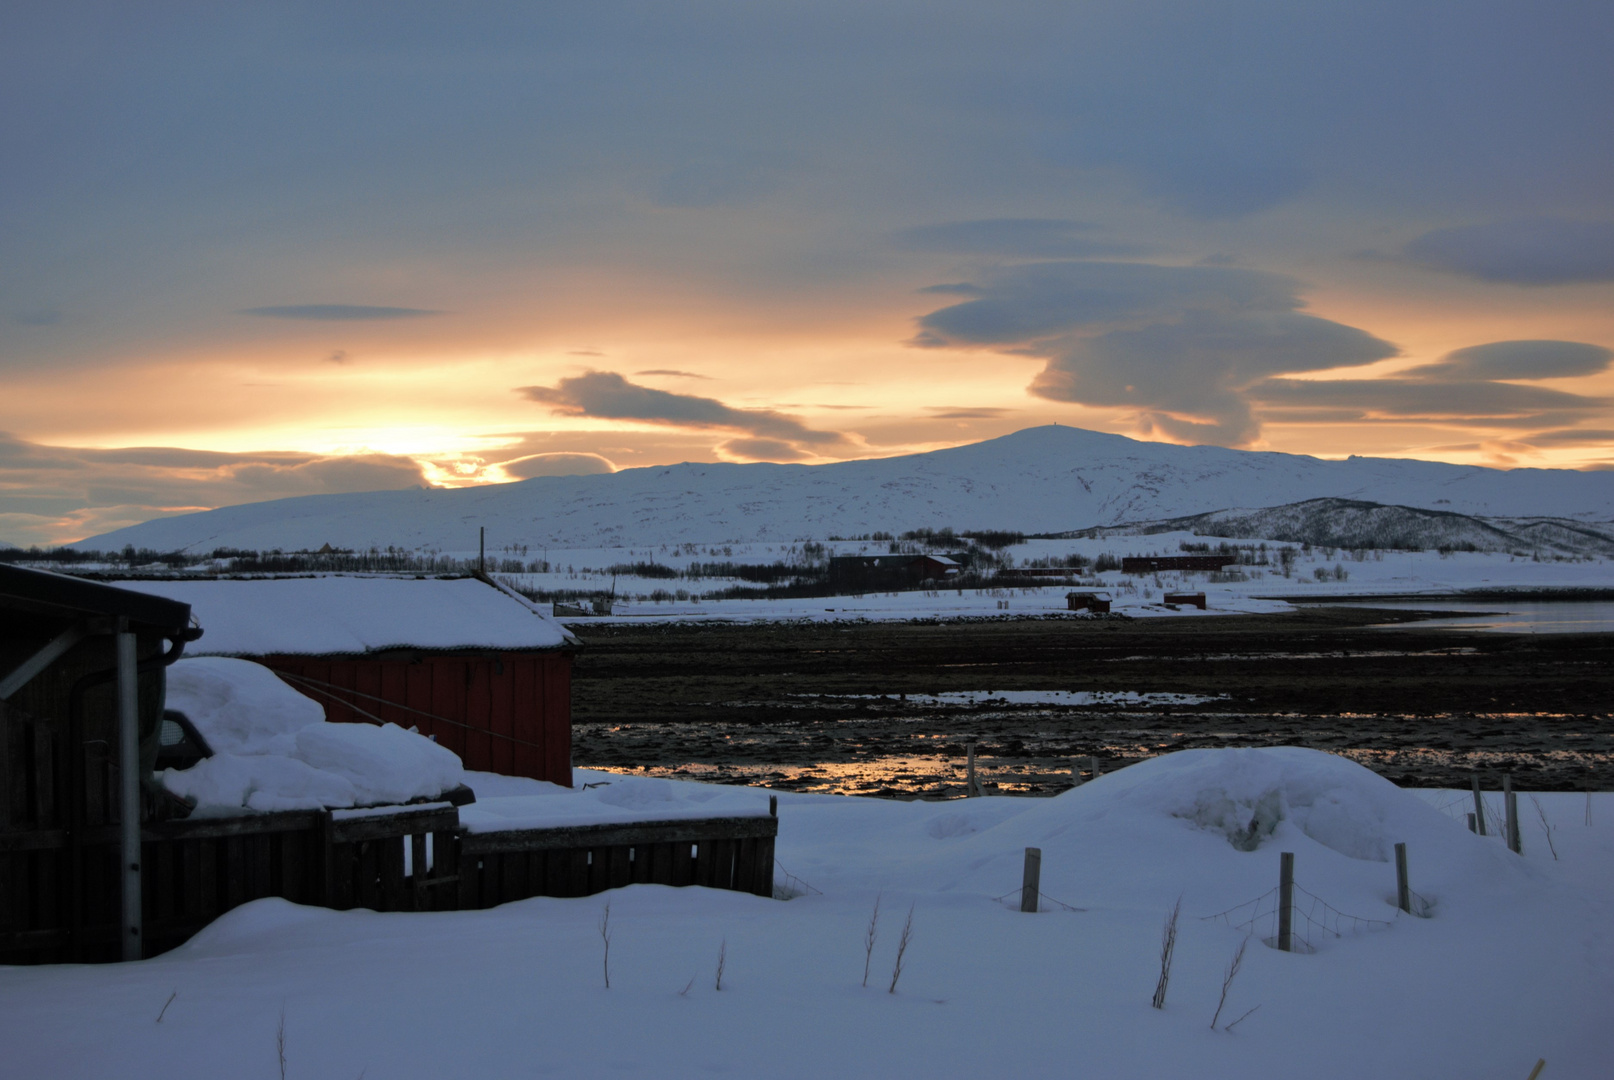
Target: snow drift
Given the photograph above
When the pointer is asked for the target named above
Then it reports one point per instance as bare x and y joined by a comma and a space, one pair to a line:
274, 750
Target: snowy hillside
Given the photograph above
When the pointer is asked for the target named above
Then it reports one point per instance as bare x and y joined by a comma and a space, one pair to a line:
1046, 479
1353, 523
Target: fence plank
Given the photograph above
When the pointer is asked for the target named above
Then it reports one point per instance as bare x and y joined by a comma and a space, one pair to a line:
235, 873
367, 883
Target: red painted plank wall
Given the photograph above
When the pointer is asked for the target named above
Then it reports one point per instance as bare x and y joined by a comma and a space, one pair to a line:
511, 713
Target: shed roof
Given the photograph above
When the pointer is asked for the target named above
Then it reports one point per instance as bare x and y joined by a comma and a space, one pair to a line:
43, 591
346, 615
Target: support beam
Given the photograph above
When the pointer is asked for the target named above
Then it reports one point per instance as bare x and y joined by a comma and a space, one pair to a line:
129, 792
44, 658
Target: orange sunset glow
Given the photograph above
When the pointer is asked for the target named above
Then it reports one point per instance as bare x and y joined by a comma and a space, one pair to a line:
246, 260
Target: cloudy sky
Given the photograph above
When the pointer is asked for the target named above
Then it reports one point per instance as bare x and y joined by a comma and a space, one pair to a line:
250, 251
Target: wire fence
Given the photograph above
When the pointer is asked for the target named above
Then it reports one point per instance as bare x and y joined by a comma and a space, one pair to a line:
1313, 919
1011, 899
792, 886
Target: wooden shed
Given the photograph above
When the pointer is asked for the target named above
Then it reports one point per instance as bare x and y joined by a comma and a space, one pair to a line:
466, 661
1086, 601
81, 697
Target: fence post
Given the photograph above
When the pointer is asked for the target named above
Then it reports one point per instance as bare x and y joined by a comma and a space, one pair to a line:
1092, 767
1030, 882
1510, 800
1403, 890
1075, 774
1471, 821
1479, 807
971, 787
1286, 901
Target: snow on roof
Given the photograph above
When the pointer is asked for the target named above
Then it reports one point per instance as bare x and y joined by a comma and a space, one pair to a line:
345, 615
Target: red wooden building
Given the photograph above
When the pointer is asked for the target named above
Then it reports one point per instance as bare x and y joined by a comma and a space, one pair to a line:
464, 660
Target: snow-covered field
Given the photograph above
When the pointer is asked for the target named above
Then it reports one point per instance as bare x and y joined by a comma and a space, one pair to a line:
1313, 574
1515, 964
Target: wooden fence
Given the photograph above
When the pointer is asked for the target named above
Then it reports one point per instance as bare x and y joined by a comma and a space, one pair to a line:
59, 880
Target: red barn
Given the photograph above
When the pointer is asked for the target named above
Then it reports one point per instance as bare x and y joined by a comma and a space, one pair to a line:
465, 660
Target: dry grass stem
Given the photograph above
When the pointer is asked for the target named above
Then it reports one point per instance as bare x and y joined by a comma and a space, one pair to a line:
605, 936
685, 991
280, 1043
1168, 945
902, 948
869, 936
1227, 980
167, 1003
1546, 827
722, 961
1240, 1020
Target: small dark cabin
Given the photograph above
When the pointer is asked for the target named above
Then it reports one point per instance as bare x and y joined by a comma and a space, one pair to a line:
1086, 601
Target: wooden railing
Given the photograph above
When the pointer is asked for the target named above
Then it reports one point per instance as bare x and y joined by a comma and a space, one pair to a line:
411, 858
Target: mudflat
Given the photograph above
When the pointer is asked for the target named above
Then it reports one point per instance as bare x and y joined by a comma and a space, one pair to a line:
873, 707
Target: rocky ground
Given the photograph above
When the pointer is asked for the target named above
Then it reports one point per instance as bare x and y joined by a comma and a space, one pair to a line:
839, 706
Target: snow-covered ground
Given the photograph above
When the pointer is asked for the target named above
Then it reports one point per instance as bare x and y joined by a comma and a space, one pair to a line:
1515, 964
1314, 573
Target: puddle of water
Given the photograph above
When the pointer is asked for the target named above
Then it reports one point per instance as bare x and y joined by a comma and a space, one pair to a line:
1068, 698
1509, 616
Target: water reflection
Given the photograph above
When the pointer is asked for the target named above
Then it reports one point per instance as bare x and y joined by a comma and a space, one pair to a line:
1032, 752
1508, 616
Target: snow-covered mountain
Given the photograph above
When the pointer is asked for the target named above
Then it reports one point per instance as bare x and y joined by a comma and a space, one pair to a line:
1045, 479
1352, 523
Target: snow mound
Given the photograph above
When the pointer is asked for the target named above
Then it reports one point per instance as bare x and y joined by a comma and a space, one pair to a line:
384, 764
239, 707
274, 750
1209, 825
1244, 794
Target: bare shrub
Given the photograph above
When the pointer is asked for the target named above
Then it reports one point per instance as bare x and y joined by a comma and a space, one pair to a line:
1168, 945
280, 1043
1227, 981
869, 936
902, 948
722, 961
605, 936
167, 1003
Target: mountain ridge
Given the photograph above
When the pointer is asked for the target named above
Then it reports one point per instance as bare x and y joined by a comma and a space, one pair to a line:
1043, 480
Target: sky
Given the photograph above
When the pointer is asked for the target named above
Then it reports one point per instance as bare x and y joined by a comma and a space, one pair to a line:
254, 251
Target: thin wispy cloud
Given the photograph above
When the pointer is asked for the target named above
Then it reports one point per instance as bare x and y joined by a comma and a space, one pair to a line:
606, 395
671, 373
1532, 251
339, 312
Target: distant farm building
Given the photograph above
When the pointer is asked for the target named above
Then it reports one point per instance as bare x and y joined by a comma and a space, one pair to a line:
1185, 599
1086, 601
466, 661
1154, 564
866, 573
